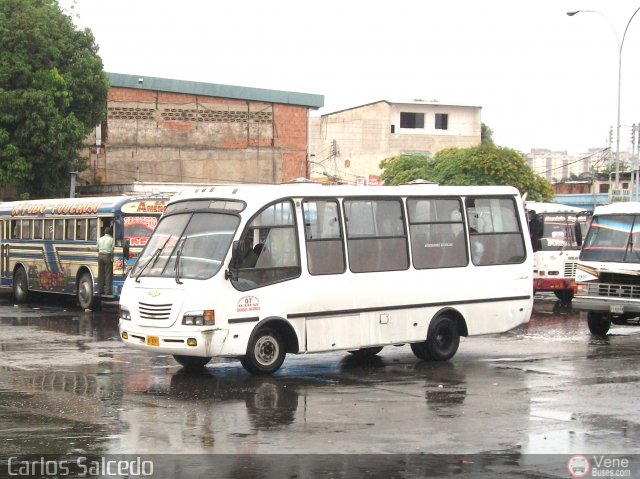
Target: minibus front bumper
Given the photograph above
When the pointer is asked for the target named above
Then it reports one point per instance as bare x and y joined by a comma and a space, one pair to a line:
203, 342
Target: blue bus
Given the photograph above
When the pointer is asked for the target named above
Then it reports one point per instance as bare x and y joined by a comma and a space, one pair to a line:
49, 245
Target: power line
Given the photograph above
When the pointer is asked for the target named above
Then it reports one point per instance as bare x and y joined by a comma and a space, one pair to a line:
578, 160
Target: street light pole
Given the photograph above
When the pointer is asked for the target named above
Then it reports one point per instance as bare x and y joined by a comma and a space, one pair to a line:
620, 44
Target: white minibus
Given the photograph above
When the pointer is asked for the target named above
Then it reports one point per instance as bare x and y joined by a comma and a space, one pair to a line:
556, 234
258, 271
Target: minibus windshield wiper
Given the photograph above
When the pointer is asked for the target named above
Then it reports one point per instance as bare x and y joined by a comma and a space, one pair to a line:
152, 260
568, 236
178, 258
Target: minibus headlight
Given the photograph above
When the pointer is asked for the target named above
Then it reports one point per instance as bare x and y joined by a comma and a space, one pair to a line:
199, 318
125, 314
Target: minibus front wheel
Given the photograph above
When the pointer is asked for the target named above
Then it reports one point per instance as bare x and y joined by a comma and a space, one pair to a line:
191, 363
265, 353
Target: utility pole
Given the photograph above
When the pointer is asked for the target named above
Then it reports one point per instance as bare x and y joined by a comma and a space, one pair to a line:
334, 152
635, 168
72, 184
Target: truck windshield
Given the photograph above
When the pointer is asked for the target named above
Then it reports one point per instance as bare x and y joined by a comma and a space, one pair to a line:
197, 242
613, 238
559, 231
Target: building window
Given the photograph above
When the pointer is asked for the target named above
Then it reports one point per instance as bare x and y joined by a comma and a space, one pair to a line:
393, 128
411, 120
442, 121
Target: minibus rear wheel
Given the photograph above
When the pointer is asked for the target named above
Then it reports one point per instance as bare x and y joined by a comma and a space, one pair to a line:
443, 339
364, 353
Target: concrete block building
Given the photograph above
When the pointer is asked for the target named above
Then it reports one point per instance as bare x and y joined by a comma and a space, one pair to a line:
173, 131
350, 143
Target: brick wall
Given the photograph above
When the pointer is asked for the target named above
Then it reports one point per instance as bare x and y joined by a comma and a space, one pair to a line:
291, 134
156, 136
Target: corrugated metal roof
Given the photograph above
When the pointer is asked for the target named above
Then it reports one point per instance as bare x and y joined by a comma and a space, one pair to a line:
142, 82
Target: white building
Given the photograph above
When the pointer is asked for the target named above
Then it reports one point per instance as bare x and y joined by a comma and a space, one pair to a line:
349, 144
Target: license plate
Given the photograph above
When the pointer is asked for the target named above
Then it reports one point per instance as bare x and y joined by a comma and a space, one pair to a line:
153, 341
616, 308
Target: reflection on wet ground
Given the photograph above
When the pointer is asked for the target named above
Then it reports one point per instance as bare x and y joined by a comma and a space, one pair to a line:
67, 385
61, 317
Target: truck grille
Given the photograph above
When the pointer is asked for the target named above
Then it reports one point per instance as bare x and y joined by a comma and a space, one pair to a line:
614, 290
154, 311
570, 269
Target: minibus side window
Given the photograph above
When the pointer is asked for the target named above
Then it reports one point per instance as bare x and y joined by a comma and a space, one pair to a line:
495, 232
437, 233
323, 237
376, 236
269, 251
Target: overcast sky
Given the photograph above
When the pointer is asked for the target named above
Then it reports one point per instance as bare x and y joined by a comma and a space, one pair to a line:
542, 78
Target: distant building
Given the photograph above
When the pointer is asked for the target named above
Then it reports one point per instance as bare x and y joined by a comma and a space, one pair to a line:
597, 190
348, 145
173, 131
558, 165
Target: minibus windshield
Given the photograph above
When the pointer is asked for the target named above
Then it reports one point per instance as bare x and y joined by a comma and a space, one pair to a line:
188, 245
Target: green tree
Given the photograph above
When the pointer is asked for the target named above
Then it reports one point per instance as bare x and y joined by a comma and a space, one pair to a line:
480, 165
486, 135
53, 91
404, 168
611, 168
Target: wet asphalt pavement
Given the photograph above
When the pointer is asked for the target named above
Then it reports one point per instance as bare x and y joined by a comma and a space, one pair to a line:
511, 405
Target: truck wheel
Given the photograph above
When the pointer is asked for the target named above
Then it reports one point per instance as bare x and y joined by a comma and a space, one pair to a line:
599, 323
565, 295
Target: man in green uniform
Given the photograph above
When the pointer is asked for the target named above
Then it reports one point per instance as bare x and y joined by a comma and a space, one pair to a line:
105, 262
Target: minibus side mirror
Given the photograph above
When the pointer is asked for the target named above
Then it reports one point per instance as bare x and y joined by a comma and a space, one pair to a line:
126, 253
235, 261
578, 233
537, 228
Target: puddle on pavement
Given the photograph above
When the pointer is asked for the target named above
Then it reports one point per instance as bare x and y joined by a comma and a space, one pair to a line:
94, 325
